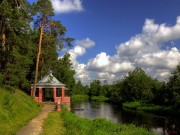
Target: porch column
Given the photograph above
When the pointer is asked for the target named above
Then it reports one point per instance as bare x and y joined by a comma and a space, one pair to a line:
31, 91
54, 89
40, 94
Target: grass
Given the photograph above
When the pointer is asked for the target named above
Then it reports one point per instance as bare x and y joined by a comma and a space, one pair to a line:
16, 109
79, 98
141, 106
53, 124
99, 98
98, 126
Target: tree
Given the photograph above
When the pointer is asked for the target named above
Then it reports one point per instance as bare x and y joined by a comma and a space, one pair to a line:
137, 86
51, 35
95, 88
173, 87
115, 91
44, 10
64, 72
16, 47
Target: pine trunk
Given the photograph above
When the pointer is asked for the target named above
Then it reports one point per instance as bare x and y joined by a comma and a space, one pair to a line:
37, 61
3, 42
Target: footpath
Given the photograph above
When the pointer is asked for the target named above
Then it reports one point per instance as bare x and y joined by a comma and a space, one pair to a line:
35, 126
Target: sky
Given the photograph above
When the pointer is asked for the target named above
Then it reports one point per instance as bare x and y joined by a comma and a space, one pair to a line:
113, 37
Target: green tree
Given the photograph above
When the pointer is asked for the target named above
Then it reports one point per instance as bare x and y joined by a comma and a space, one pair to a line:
173, 87
115, 91
51, 35
63, 71
137, 86
78, 88
16, 46
95, 88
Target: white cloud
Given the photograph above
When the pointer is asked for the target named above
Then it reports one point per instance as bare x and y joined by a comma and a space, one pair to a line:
101, 61
143, 50
86, 43
147, 50
80, 68
66, 6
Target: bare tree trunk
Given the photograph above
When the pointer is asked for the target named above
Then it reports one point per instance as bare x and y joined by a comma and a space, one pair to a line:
3, 42
37, 61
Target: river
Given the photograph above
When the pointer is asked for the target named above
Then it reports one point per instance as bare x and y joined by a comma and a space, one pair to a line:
160, 125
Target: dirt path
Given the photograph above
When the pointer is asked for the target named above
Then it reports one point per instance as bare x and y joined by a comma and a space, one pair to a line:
35, 126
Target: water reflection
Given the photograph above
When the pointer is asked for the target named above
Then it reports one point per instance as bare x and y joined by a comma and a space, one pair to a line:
160, 125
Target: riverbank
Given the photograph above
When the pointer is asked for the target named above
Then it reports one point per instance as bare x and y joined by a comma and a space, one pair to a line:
141, 106
76, 98
16, 109
99, 99
98, 126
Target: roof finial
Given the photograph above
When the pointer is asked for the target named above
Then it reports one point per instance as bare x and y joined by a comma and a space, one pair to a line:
50, 71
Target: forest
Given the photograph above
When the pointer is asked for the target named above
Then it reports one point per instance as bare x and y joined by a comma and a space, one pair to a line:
30, 42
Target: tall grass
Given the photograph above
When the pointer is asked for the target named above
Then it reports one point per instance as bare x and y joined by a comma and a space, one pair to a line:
16, 109
76, 125
53, 125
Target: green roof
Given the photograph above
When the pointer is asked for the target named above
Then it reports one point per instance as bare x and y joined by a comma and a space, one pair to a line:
50, 81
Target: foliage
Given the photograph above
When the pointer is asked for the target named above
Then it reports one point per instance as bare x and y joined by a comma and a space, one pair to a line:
173, 88
16, 108
20, 29
17, 48
98, 126
95, 88
63, 71
137, 86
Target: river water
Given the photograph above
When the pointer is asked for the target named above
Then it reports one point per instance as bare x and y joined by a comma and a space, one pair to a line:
160, 125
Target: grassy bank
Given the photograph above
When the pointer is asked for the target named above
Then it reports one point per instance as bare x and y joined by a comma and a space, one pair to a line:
53, 125
140, 106
99, 126
99, 99
16, 109
79, 97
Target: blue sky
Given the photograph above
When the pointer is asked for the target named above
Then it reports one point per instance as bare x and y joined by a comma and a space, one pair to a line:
115, 36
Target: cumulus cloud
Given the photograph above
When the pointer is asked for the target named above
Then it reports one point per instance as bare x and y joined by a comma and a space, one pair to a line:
78, 51
144, 50
86, 43
101, 61
66, 6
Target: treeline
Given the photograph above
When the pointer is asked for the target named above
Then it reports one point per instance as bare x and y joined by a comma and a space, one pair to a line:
23, 28
137, 86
